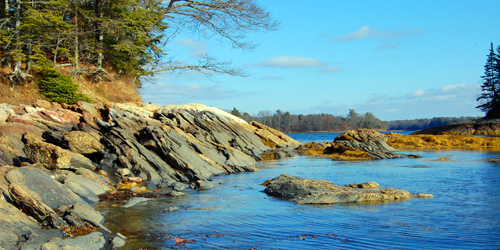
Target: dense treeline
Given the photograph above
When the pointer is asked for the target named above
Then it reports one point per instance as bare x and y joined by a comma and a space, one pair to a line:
286, 122
419, 124
127, 36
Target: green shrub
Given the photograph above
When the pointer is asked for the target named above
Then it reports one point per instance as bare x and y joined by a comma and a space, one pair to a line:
60, 88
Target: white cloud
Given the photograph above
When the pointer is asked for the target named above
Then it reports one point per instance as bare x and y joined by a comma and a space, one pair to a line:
292, 62
197, 48
331, 69
389, 46
364, 32
419, 92
367, 32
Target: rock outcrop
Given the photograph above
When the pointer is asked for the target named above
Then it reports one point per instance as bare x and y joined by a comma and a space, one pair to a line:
57, 160
361, 144
309, 191
482, 127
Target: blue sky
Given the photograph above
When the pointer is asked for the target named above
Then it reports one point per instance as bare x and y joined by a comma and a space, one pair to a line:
395, 59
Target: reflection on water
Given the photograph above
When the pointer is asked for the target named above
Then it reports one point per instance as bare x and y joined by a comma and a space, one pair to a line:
464, 213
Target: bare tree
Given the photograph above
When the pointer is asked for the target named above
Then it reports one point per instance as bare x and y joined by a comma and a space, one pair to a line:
228, 19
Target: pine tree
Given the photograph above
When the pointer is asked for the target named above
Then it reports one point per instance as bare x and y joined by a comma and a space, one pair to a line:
490, 96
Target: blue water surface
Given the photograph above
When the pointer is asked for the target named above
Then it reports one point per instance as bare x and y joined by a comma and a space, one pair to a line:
463, 214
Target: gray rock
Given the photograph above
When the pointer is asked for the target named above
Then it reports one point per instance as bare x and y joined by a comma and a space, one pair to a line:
93, 240
83, 143
119, 240
49, 155
15, 225
136, 200
204, 185
123, 172
170, 209
80, 161
371, 142
309, 191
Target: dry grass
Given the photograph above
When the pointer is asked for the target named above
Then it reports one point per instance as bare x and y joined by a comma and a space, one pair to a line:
116, 90
443, 142
26, 93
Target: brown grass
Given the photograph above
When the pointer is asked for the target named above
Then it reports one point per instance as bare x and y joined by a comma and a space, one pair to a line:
118, 89
443, 142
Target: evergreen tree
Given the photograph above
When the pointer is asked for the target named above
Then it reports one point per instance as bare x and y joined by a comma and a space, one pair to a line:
490, 96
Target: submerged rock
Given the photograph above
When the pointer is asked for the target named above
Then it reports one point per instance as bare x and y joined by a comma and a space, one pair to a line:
309, 191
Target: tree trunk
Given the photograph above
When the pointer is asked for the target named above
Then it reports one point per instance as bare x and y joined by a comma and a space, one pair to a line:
17, 68
77, 49
100, 34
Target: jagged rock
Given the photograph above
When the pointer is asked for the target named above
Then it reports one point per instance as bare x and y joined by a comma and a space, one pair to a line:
85, 187
168, 148
82, 143
15, 225
124, 172
136, 200
369, 141
309, 191
49, 155
93, 240
42, 196
362, 144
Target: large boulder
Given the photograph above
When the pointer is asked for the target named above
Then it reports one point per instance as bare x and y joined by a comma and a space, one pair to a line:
50, 156
309, 191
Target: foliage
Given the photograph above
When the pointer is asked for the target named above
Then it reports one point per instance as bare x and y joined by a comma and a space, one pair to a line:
284, 121
60, 88
126, 35
490, 96
289, 123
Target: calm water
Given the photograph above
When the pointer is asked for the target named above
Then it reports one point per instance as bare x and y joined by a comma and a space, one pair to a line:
464, 213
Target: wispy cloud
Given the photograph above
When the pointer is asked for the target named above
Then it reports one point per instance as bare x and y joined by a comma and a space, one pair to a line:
367, 32
331, 69
291, 62
196, 48
449, 101
389, 46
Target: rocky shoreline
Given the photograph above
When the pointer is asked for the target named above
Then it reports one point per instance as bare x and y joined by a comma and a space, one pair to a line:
56, 161
480, 127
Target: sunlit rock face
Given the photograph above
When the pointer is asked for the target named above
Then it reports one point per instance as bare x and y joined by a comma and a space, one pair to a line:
162, 145
57, 160
310, 191
361, 144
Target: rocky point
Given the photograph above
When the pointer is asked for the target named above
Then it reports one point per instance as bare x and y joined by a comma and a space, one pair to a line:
56, 161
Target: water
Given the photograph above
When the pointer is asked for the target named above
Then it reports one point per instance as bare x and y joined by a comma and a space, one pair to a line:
463, 214
328, 137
